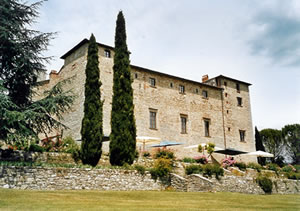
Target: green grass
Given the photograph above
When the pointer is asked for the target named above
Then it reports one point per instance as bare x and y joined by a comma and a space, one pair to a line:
142, 200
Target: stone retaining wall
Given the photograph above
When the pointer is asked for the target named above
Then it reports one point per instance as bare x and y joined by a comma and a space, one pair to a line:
41, 178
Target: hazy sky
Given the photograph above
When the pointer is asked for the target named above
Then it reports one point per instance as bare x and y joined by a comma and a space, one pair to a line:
257, 41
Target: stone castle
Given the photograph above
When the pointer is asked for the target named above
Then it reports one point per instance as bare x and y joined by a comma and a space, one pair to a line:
215, 110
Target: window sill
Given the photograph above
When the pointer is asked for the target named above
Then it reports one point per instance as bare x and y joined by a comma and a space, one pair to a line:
153, 86
182, 93
207, 136
183, 133
205, 98
153, 128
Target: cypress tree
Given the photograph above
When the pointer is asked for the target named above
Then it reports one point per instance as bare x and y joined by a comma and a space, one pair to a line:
259, 146
92, 125
123, 129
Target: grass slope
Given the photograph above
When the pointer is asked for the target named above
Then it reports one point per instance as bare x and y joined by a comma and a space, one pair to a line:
142, 200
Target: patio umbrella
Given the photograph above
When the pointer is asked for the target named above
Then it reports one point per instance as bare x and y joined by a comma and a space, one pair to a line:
166, 143
261, 154
230, 151
147, 140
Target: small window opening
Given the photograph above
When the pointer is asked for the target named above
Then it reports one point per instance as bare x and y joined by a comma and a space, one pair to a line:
107, 53
152, 82
205, 94
181, 89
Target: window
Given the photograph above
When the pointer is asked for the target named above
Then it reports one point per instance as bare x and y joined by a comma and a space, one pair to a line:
206, 127
107, 53
229, 129
225, 83
153, 119
238, 87
171, 85
239, 101
205, 94
196, 90
136, 75
183, 119
152, 82
181, 89
242, 135
226, 94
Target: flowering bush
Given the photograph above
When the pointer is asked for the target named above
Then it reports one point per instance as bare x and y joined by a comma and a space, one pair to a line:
228, 162
201, 159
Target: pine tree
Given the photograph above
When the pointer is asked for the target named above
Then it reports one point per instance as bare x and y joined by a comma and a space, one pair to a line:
21, 62
92, 125
259, 146
123, 129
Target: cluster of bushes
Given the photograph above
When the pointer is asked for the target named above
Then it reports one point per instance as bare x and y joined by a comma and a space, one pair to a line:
163, 164
207, 170
290, 171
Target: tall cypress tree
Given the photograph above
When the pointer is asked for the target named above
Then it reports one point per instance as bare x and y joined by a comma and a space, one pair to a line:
259, 146
123, 129
92, 125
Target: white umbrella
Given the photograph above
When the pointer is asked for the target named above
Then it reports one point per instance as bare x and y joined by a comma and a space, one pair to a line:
147, 140
261, 154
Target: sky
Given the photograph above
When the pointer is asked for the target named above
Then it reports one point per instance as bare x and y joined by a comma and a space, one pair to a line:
257, 41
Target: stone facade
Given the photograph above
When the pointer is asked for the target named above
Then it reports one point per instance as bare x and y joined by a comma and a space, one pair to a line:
171, 98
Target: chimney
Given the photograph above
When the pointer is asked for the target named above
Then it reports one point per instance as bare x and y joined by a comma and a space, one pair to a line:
204, 78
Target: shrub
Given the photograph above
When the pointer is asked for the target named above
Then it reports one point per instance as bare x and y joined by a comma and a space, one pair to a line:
210, 148
213, 169
36, 148
164, 153
162, 168
241, 165
293, 175
76, 155
193, 169
289, 168
189, 160
265, 183
273, 167
200, 148
141, 169
201, 159
69, 145
255, 166
297, 167
146, 154
228, 162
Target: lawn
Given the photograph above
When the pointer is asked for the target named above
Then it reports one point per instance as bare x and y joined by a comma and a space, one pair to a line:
142, 200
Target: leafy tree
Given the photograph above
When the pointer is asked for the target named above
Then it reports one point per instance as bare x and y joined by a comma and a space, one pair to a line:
259, 146
21, 62
291, 134
92, 125
123, 129
274, 143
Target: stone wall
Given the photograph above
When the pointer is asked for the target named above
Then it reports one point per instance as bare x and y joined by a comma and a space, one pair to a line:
41, 178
